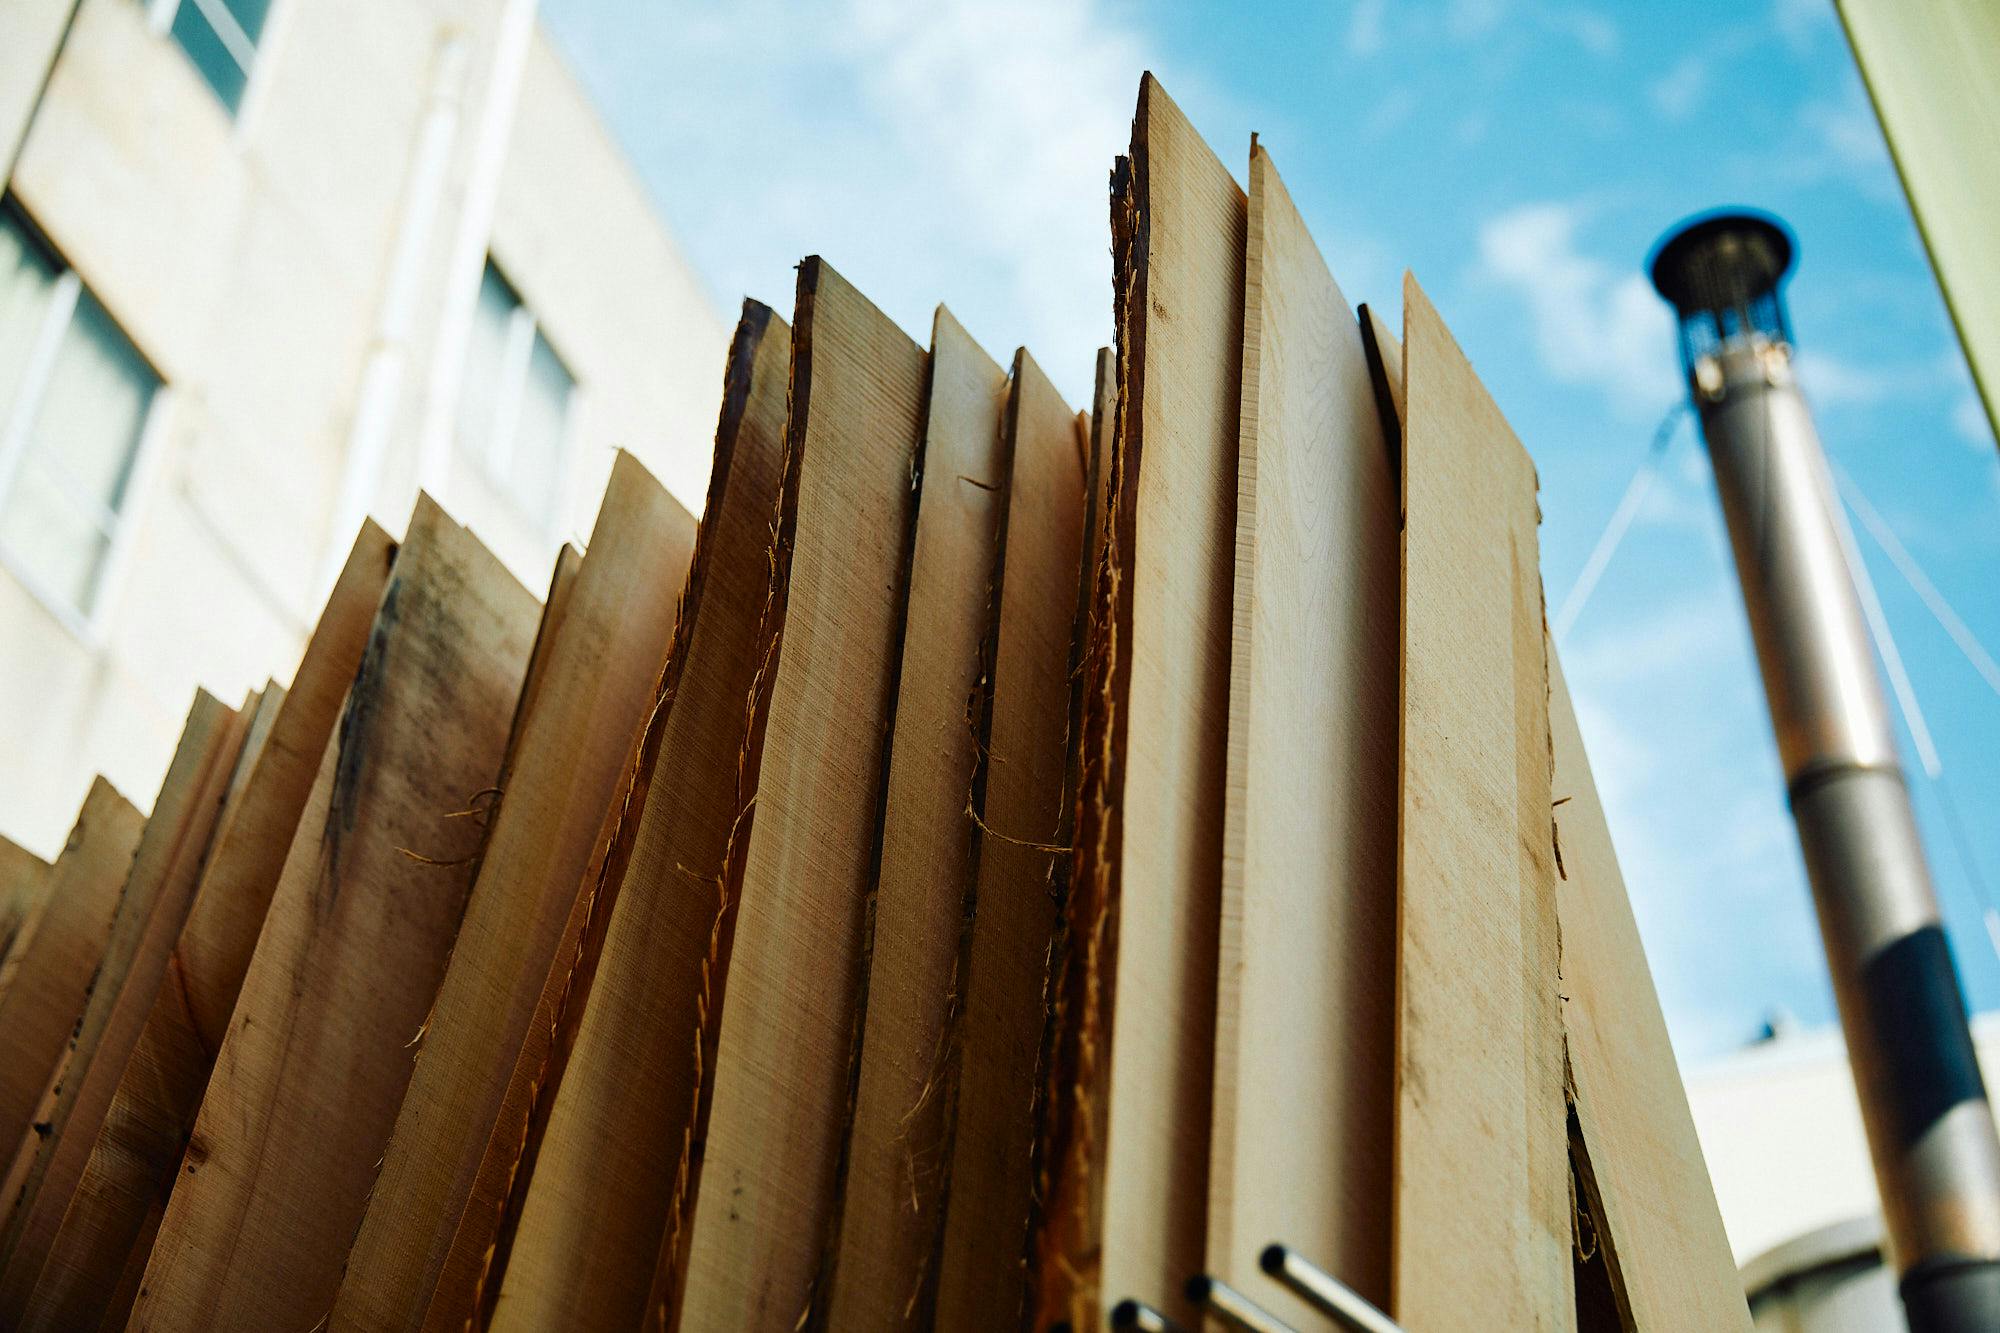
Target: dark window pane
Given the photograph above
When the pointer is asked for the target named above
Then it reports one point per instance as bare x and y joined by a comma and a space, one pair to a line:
94, 407
191, 29
250, 16
27, 283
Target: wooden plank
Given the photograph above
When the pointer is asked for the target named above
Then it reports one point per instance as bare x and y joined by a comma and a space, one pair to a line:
555, 606
1658, 1224
1305, 1007
52, 979
261, 709
1385, 368
165, 870
309, 1077
596, 1136
892, 1190
1103, 429
1026, 809
115, 1209
24, 886
589, 691
1481, 1176
767, 1191
1124, 1216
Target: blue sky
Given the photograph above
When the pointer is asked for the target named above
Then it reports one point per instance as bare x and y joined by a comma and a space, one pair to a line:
1521, 158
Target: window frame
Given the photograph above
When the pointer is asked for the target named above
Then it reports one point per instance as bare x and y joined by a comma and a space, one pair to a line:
495, 456
160, 15
87, 624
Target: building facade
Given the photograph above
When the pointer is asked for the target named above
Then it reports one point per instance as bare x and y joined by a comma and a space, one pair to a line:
1780, 1127
268, 267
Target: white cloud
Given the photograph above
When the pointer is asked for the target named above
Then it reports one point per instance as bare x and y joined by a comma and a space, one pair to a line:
1365, 35
1666, 645
953, 152
1846, 128
1593, 31
1593, 322
1837, 138
1390, 113
1968, 418
1800, 22
1676, 93
1467, 20
1833, 381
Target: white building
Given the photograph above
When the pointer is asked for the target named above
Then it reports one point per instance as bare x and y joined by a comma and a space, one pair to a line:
267, 266
1780, 1127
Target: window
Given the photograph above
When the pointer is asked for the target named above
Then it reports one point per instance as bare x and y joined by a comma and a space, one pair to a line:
74, 398
513, 408
219, 36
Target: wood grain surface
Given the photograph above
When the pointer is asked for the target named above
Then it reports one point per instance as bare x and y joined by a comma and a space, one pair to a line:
896, 1164
1482, 1203
112, 1215
1025, 818
1305, 1007
316, 1058
767, 1196
596, 1207
597, 662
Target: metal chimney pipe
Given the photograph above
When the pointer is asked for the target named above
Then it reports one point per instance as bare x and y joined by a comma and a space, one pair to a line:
1923, 1102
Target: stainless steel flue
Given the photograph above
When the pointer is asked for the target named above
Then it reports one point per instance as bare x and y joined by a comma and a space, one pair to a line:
1930, 1129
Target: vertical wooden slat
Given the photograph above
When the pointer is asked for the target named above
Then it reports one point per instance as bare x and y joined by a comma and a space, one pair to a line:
52, 976
1025, 829
600, 1152
1306, 1001
767, 1194
1126, 1204
1482, 1206
895, 1166
107, 1228
24, 884
596, 663
308, 1080
165, 871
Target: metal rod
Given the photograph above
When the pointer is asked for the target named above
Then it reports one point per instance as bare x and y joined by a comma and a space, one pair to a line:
1324, 1292
1137, 1314
1232, 1307
1924, 1105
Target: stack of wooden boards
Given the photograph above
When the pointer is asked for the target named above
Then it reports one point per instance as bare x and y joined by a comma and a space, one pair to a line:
1001, 863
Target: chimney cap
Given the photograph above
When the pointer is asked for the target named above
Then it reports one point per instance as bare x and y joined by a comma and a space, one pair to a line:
1722, 260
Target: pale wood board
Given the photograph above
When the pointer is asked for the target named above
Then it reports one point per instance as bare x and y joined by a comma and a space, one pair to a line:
767, 1191
1305, 1007
107, 1228
165, 870
893, 1185
590, 689
1026, 817
599, 1178
555, 606
24, 884
51, 982
1390, 353
1661, 1231
309, 1077
1125, 1211
1481, 1175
